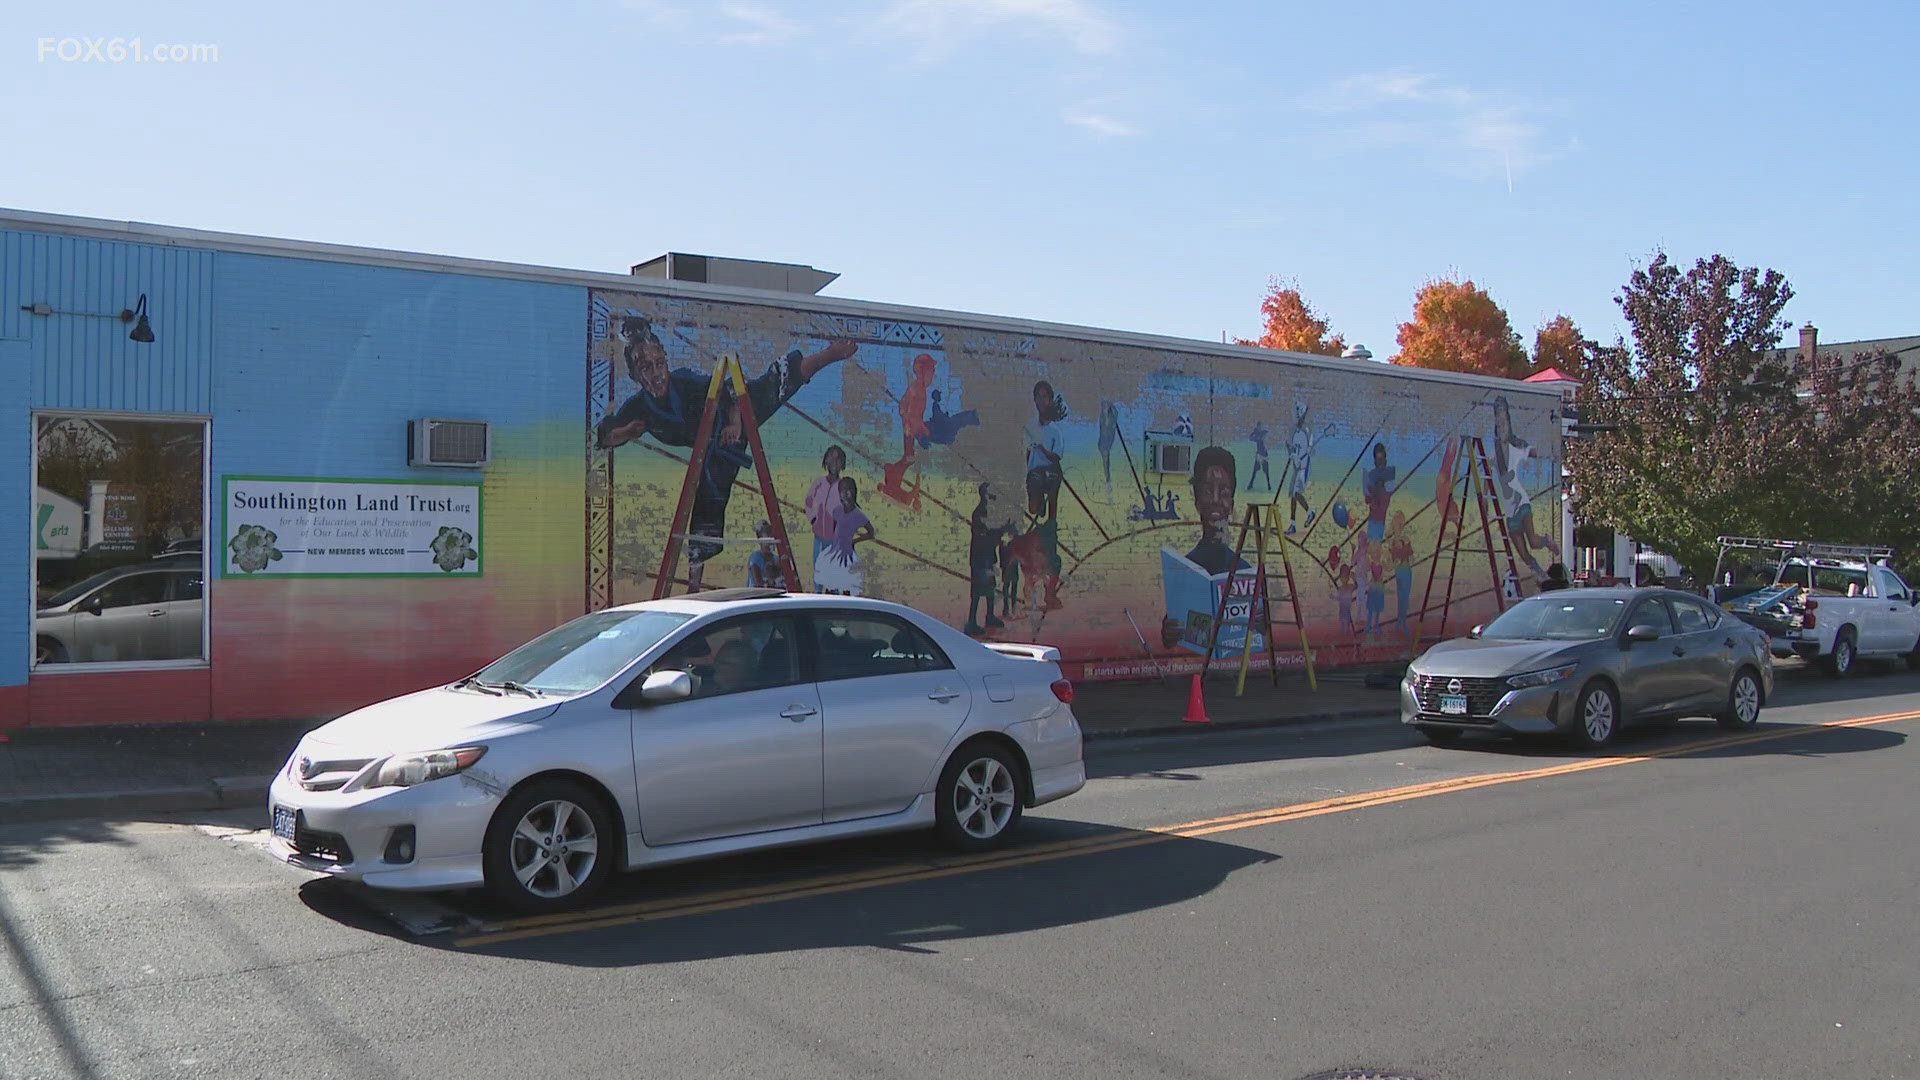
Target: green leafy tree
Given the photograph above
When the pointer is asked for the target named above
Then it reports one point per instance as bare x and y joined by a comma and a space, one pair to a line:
1715, 433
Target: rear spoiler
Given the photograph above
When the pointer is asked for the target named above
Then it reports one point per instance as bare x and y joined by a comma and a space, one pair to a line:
1024, 652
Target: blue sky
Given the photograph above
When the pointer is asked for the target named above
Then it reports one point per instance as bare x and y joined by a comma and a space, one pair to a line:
1144, 166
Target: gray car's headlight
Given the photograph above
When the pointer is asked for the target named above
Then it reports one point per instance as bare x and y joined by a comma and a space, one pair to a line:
406, 770
1542, 678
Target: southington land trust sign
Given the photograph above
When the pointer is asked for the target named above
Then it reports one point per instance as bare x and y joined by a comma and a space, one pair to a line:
276, 526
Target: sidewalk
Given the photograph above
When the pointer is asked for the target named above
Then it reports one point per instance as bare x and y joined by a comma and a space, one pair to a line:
136, 769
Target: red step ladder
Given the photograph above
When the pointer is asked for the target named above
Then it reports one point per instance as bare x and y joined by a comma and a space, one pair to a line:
727, 370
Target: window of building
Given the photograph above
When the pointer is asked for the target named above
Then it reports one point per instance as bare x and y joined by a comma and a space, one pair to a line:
119, 519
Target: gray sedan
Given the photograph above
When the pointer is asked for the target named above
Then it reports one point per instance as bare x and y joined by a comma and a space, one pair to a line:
1584, 663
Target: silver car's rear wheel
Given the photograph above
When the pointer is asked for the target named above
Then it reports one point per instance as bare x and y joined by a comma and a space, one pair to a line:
1743, 702
979, 797
550, 847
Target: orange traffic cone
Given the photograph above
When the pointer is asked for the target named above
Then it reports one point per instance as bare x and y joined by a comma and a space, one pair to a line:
1196, 704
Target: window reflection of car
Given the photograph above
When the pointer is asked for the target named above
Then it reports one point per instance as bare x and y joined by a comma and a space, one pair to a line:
1585, 663
142, 611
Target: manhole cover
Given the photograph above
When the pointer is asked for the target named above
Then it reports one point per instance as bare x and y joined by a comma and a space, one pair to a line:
1361, 1074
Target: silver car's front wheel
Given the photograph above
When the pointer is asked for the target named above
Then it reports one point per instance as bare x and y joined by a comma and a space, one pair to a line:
550, 847
554, 849
979, 797
1596, 716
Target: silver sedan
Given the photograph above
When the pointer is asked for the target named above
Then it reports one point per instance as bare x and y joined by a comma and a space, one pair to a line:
681, 729
1584, 663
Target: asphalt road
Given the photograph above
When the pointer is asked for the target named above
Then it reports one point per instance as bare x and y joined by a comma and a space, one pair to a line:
1261, 905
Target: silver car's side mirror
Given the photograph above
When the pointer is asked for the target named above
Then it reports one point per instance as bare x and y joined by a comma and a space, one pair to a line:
1476, 631
1643, 632
664, 686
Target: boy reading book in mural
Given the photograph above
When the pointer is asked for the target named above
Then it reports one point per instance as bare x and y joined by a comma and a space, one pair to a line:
668, 406
1215, 482
1510, 454
838, 569
983, 557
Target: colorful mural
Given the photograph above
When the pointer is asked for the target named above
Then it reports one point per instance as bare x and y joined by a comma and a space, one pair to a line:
1083, 494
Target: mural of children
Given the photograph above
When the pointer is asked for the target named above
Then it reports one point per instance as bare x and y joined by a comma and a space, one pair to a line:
1344, 589
1109, 433
1373, 556
1044, 447
838, 569
1377, 485
763, 570
944, 427
913, 432
823, 498
1300, 447
1510, 454
1261, 465
668, 406
1400, 555
983, 556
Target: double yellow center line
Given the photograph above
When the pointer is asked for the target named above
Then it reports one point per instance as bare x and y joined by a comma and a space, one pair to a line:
926, 870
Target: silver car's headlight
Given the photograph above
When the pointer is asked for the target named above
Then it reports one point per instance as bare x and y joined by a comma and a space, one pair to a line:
1542, 678
406, 770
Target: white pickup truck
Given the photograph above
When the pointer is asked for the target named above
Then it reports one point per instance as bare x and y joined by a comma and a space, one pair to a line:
1829, 603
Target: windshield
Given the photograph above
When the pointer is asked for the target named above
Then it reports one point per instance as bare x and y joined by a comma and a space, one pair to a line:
581, 655
80, 588
1571, 618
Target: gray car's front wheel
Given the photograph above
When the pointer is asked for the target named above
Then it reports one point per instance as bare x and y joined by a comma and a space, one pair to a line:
550, 847
1596, 716
978, 798
1743, 701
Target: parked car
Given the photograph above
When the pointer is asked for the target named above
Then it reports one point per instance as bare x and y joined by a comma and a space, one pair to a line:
1829, 603
149, 610
680, 729
1584, 663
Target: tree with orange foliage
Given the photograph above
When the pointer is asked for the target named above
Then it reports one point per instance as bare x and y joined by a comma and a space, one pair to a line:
1559, 344
1292, 326
1458, 327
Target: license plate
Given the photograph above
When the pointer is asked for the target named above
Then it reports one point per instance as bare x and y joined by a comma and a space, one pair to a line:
283, 821
1453, 704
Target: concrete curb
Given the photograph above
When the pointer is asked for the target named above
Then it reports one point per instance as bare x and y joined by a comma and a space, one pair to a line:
226, 793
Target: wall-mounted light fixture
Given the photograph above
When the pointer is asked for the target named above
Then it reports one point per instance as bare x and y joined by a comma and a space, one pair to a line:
142, 331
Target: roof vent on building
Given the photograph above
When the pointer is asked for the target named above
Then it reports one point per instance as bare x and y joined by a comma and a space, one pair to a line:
740, 273
462, 444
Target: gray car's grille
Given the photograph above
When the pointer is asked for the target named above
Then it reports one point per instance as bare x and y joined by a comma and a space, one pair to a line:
320, 844
1482, 694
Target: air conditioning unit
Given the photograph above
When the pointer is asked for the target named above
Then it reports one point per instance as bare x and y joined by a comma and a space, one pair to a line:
1172, 457
458, 444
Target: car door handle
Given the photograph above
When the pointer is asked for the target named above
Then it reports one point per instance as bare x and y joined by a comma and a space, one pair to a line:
944, 695
1679, 652
797, 713
155, 614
